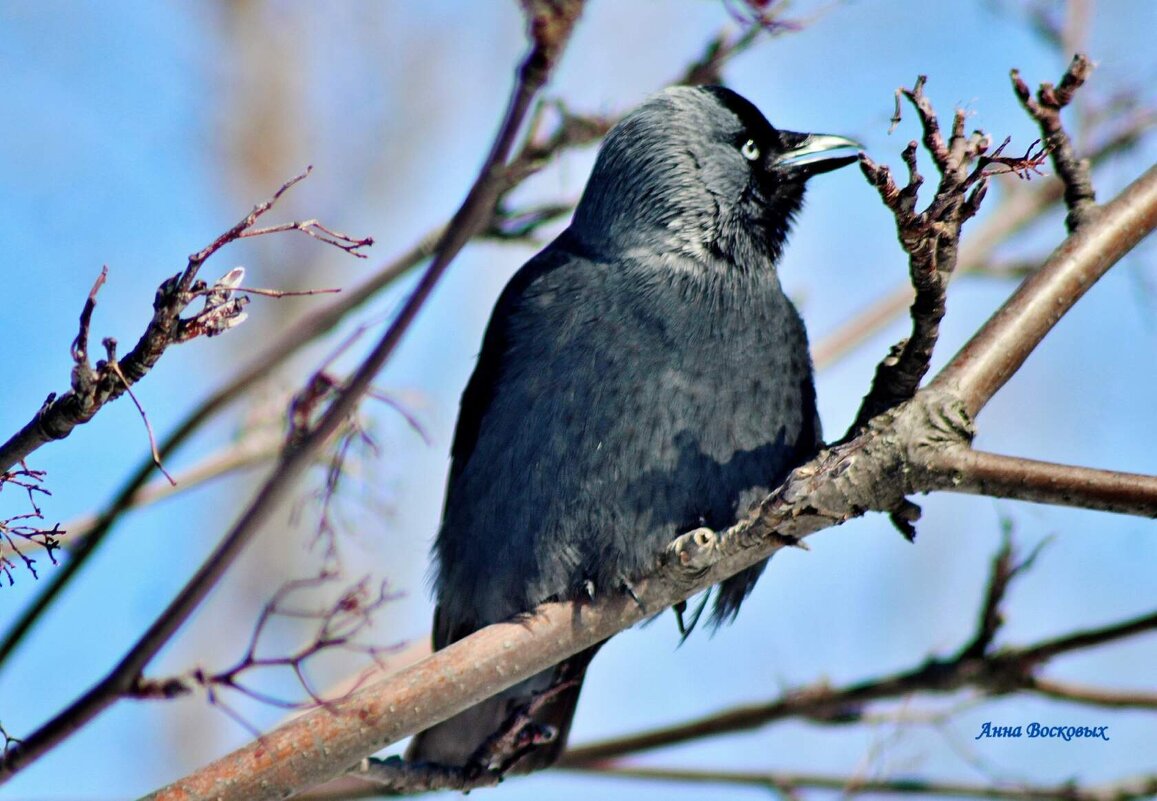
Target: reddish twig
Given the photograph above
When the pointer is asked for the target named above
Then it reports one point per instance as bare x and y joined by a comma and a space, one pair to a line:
29, 480
13, 530
336, 627
80, 344
1023, 167
16, 531
319, 232
286, 293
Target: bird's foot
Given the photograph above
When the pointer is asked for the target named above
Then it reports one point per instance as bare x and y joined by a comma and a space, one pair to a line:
695, 551
518, 736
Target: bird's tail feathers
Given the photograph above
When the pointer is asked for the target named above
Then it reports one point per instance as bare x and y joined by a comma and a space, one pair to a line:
486, 735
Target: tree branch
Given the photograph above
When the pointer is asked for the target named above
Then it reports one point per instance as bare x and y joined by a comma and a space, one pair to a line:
320, 744
931, 238
981, 473
1095, 696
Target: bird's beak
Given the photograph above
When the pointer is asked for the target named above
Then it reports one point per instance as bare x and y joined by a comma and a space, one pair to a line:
812, 154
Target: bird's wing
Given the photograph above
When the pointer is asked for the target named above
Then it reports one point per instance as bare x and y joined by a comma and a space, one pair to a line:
481, 388
511, 310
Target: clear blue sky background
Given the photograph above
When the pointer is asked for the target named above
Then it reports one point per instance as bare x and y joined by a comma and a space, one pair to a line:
117, 123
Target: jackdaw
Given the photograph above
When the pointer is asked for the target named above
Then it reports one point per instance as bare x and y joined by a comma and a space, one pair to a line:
642, 376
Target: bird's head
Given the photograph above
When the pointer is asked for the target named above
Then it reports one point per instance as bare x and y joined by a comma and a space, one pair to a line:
699, 171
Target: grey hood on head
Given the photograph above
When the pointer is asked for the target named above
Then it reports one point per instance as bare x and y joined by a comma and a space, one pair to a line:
699, 171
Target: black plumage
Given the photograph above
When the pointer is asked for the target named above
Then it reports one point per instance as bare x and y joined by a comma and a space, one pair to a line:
642, 376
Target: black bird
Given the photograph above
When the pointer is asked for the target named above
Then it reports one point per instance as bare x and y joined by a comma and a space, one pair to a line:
642, 376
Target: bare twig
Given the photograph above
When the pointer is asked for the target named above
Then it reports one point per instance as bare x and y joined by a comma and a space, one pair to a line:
14, 531
17, 531
1000, 576
336, 627
1095, 696
1046, 110
931, 238
91, 389
315, 229
80, 344
110, 347
1090, 638
9, 740
286, 293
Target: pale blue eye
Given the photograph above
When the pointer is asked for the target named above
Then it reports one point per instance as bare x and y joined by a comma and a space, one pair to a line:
750, 150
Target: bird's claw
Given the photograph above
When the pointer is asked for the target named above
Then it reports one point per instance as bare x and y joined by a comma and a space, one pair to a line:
696, 551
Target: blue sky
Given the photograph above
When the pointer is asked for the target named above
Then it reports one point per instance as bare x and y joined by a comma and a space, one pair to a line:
135, 132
